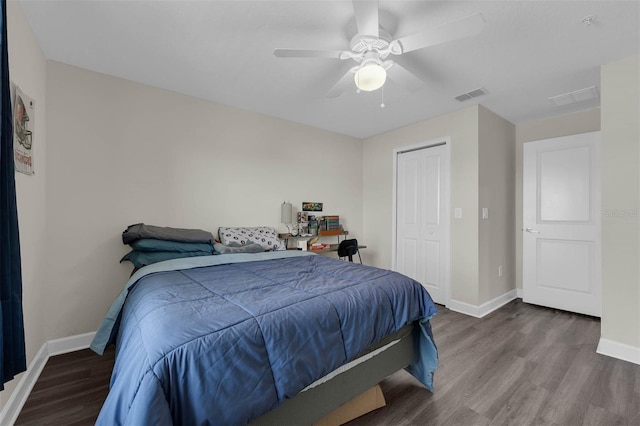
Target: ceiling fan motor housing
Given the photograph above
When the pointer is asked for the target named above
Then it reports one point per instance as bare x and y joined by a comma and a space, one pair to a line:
361, 44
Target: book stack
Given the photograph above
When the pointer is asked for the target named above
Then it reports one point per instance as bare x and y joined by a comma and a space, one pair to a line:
314, 244
317, 246
333, 222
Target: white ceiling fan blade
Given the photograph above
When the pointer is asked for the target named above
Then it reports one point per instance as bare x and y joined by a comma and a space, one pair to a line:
404, 78
366, 12
454, 30
342, 85
310, 53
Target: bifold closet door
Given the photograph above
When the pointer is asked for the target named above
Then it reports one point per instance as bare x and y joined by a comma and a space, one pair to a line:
422, 234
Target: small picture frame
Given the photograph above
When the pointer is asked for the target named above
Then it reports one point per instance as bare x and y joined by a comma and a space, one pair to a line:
311, 206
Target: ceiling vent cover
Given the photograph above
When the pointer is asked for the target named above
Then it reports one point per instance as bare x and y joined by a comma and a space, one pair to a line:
472, 94
581, 95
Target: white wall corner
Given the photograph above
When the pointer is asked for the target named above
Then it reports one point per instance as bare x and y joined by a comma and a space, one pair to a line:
484, 309
70, 344
619, 350
16, 401
519, 293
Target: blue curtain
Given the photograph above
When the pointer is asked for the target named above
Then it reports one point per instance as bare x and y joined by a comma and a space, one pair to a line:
12, 353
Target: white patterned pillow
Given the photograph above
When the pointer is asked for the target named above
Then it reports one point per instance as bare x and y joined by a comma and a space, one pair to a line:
263, 235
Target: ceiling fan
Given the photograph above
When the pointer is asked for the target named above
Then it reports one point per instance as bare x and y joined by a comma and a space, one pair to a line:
371, 47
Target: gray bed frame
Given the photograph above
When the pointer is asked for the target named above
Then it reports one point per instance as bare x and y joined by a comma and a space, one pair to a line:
312, 405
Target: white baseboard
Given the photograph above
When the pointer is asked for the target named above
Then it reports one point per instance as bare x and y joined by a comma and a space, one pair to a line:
619, 350
519, 293
19, 396
484, 309
69, 344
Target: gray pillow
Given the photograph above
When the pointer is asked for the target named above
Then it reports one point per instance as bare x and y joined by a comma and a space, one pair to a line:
144, 258
247, 248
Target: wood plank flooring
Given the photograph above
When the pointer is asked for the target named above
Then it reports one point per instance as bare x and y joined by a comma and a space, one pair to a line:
70, 389
521, 365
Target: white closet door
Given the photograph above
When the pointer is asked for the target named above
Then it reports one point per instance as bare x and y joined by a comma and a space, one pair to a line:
422, 232
561, 252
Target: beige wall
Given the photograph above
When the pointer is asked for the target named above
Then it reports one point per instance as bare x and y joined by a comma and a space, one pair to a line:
27, 68
496, 240
564, 125
462, 129
482, 151
621, 202
121, 153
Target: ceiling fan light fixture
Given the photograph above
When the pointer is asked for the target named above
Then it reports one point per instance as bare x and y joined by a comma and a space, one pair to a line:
370, 77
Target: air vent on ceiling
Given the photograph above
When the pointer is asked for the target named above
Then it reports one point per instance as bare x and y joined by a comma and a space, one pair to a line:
470, 95
581, 95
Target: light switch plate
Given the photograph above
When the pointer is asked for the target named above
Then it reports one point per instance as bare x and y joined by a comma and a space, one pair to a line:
485, 213
457, 213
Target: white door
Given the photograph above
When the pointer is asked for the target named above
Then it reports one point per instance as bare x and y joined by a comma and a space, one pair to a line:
561, 223
422, 223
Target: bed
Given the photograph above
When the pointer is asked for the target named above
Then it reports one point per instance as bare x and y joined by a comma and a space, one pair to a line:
239, 338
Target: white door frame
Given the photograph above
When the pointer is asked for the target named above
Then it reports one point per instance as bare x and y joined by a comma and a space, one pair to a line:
446, 141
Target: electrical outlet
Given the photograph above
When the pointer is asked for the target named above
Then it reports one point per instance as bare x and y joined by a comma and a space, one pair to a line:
500, 270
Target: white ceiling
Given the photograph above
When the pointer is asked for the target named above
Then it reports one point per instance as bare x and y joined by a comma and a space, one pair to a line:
222, 51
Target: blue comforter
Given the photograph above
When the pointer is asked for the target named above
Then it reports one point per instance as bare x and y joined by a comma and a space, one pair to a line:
225, 343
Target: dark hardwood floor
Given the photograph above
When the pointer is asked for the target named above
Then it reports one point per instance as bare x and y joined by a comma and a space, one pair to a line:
70, 389
521, 365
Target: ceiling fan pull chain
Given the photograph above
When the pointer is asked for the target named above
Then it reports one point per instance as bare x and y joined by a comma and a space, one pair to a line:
382, 105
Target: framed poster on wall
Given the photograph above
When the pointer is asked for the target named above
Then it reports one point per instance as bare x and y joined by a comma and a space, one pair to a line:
23, 125
311, 206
